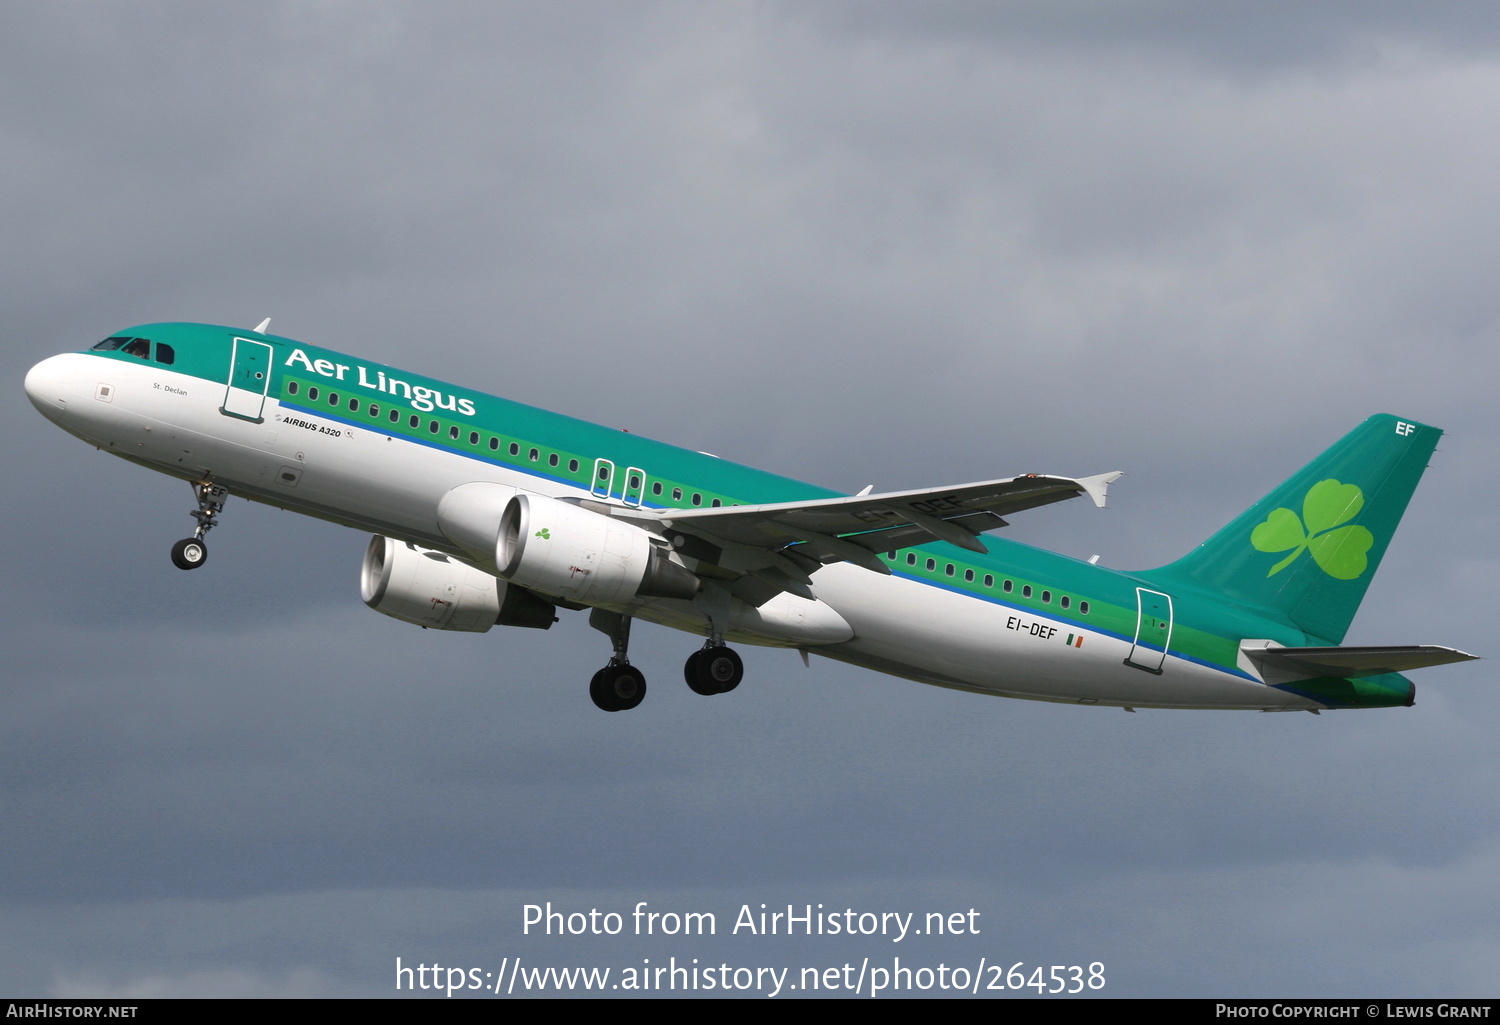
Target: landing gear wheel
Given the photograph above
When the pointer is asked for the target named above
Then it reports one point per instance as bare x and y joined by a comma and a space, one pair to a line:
692, 672
713, 670
617, 688
189, 553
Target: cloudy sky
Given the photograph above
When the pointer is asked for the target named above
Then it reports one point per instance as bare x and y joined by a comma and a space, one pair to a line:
905, 244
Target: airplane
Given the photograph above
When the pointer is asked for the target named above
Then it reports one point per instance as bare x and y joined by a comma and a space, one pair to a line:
486, 512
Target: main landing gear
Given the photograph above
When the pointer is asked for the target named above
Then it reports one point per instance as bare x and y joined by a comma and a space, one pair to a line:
191, 552
712, 669
619, 686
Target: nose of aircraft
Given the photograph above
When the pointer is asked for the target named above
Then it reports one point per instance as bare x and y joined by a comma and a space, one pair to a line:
47, 386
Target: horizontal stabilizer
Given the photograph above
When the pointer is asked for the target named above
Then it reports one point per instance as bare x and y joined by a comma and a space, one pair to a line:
1347, 663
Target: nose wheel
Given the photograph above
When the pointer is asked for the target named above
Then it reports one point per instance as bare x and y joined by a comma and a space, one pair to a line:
715, 669
191, 552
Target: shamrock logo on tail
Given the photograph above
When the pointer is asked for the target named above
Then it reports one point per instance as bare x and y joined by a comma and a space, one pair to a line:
1339, 551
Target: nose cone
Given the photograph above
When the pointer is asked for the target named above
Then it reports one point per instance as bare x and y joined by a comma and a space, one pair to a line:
49, 386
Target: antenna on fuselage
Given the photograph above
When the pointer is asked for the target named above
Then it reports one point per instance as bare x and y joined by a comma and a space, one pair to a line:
263, 325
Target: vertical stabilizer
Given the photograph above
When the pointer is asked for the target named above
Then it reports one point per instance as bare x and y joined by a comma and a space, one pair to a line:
1306, 552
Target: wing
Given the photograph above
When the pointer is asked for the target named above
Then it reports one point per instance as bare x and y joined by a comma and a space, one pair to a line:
782, 543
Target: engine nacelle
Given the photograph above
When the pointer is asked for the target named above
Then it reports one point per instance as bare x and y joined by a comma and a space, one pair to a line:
561, 549
434, 590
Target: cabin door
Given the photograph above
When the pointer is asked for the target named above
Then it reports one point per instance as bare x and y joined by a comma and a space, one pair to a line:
249, 380
1153, 630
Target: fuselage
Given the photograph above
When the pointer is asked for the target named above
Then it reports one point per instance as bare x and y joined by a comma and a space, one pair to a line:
369, 446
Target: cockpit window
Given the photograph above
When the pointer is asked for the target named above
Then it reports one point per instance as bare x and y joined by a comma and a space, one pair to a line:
138, 347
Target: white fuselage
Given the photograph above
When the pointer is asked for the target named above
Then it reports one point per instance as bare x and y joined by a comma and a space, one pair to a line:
390, 485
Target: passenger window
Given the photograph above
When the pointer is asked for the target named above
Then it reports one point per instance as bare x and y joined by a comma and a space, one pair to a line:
676, 494
1046, 597
374, 409
949, 570
573, 468
354, 405
1066, 601
552, 459
697, 498
656, 488
291, 387
414, 422
312, 394
164, 354
494, 444
453, 432
432, 427
534, 455
716, 503
515, 449
1007, 587
911, 558
395, 416
333, 398
635, 482
1083, 607
989, 581
1026, 591
968, 576
931, 564
604, 473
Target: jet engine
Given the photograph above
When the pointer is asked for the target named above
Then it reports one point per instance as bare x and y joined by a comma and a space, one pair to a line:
430, 589
564, 550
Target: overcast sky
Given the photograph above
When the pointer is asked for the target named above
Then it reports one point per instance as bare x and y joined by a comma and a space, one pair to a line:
905, 244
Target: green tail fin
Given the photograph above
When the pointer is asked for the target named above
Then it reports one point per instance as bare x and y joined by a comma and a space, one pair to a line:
1306, 552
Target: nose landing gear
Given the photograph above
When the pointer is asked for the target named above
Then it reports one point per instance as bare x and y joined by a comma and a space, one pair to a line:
191, 552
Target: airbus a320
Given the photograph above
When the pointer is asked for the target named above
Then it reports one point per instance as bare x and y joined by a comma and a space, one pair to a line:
487, 512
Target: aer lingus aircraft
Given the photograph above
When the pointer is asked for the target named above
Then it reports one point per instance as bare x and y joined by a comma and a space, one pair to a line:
489, 512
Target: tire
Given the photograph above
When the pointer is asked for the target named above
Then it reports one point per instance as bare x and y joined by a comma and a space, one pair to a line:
711, 671
617, 688
189, 553
723, 668
697, 680
627, 688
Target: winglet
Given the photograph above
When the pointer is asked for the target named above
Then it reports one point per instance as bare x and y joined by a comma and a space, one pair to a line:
263, 325
1097, 486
